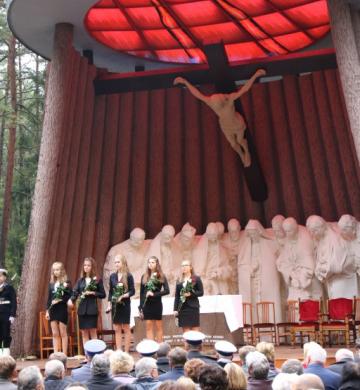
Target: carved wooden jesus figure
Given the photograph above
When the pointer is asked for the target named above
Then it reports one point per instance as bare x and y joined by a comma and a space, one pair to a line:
231, 122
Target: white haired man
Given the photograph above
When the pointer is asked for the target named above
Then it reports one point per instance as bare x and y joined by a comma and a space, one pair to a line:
146, 374
342, 356
55, 375
316, 361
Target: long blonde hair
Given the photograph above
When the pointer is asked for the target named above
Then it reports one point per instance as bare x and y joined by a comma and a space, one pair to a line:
63, 277
236, 376
124, 270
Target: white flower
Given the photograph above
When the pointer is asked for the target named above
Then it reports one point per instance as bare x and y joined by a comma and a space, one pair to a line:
155, 274
65, 284
94, 278
120, 284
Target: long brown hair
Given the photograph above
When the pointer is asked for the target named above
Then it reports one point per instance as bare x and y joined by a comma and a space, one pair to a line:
93, 267
125, 271
62, 278
148, 271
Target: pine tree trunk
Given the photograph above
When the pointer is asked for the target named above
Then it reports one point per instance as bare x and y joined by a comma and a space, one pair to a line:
11, 151
2, 129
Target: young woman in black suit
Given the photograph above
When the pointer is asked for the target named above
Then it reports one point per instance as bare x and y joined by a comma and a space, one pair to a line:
186, 305
153, 286
56, 308
88, 288
121, 281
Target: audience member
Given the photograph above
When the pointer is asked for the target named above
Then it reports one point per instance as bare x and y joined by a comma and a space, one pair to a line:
192, 369
258, 369
350, 376
283, 381
167, 385
147, 348
76, 386
316, 358
308, 382
55, 375
7, 372
269, 351
225, 351
357, 350
177, 359
121, 364
213, 377
100, 374
236, 377
30, 378
162, 359
146, 375
243, 351
59, 356
92, 348
185, 383
306, 348
342, 356
292, 366
193, 344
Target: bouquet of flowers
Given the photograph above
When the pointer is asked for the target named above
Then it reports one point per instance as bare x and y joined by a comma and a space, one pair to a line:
92, 286
59, 292
152, 284
119, 290
188, 288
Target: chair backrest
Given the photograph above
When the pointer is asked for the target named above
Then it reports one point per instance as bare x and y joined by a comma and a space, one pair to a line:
265, 312
247, 313
340, 308
44, 325
357, 309
292, 311
309, 310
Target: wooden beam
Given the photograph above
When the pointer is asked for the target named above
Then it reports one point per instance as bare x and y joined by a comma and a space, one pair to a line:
108, 83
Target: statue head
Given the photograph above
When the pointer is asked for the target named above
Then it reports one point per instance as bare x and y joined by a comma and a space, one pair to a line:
137, 237
187, 234
277, 226
291, 228
167, 234
212, 232
347, 225
234, 229
254, 230
221, 229
316, 226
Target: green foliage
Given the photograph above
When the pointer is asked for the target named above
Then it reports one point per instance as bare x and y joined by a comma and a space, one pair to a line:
30, 105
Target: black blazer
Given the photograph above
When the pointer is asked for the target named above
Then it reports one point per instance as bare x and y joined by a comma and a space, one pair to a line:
7, 294
163, 289
88, 305
51, 292
192, 300
114, 281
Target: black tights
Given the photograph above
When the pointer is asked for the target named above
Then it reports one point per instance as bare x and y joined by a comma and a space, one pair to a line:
5, 338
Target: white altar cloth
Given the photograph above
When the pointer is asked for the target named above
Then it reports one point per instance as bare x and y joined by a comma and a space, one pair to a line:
230, 305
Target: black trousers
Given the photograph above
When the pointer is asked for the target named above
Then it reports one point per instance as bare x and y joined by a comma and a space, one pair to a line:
5, 338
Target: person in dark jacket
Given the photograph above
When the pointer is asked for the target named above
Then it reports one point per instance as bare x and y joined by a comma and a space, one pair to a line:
213, 378
193, 340
258, 370
88, 289
100, 374
55, 376
342, 356
350, 376
225, 351
56, 309
146, 375
7, 311
177, 358
120, 290
162, 358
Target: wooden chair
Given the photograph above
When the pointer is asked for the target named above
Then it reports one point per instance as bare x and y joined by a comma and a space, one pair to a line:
308, 325
75, 343
284, 328
266, 322
338, 319
107, 335
45, 335
356, 316
248, 323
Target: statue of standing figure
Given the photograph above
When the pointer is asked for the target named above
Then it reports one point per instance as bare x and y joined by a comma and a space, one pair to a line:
211, 262
333, 266
296, 262
231, 122
259, 279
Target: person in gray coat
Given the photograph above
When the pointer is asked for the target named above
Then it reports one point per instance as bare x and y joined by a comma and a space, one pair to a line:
100, 374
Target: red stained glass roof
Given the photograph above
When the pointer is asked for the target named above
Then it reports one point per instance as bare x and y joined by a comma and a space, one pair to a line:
177, 30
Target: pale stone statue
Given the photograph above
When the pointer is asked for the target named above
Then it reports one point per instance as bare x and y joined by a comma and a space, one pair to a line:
186, 241
231, 121
259, 279
221, 230
232, 241
211, 262
277, 231
296, 262
165, 249
333, 266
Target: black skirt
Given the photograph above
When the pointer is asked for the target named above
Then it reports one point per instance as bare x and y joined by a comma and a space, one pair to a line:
153, 308
59, 312
88, 321
121, 313
189, 317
